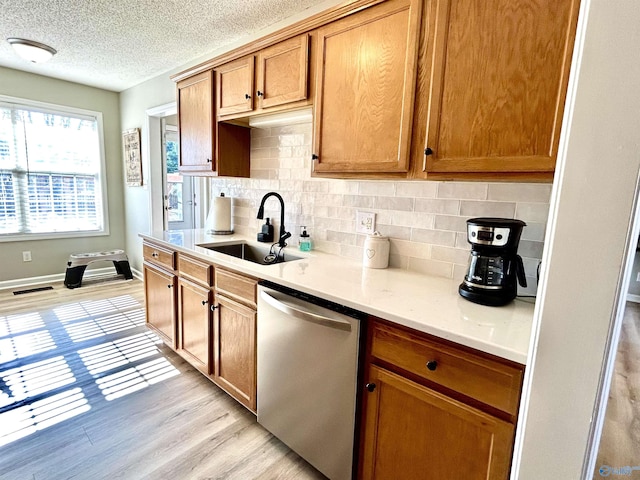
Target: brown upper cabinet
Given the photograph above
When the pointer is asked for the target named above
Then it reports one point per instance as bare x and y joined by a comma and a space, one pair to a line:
365, 82
195, 119
208, 148
498, 85
431, 89
275, 76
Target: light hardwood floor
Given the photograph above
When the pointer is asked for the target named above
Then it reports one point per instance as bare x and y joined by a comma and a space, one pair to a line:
87, 392
620, 441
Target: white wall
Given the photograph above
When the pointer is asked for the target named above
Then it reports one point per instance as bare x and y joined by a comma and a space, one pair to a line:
591, 210
50, 256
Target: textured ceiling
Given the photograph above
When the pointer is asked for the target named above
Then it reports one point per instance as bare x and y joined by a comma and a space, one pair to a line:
116, 44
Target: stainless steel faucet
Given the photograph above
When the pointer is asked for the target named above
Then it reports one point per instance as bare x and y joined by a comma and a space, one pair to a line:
283, 232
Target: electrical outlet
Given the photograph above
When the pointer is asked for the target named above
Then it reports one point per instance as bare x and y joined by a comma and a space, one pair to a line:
365, 222
26, 256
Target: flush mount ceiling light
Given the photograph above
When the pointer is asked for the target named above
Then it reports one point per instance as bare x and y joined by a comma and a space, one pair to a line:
32, 51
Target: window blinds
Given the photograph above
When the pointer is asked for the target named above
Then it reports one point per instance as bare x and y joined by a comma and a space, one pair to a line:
50, 168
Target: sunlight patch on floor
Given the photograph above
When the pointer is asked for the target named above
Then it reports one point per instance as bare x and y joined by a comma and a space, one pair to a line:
136, 378
21, 346
34, 379
26, 420
81, 331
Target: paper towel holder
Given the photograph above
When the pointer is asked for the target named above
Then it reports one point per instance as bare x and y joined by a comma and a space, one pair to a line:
215, 226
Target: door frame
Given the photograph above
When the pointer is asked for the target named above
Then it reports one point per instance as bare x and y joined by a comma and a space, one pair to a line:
590, 232
154, 137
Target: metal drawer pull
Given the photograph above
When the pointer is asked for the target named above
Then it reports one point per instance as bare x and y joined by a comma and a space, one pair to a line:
432, 365
370, 386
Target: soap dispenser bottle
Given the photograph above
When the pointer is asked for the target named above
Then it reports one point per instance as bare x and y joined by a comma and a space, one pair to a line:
266, 235
305, 240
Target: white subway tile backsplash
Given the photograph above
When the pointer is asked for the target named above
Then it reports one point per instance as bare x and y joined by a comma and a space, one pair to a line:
462, 190
520, 192
393, 231
410, 249
532, 212
377, 188
359, 201
534, 231
425, 220
429, 205
487, 209
417, 189
433, 237
394, 203
409, 219
450, 222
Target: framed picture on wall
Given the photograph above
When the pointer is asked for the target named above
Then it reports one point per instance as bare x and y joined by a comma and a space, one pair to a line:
132, 157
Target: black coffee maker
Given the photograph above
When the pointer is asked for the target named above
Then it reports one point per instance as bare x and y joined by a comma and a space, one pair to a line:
495, 267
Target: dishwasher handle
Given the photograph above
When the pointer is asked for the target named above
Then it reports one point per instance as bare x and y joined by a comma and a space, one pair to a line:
305, 315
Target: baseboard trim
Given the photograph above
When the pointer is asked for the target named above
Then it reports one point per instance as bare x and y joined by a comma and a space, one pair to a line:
633, 298
59, 277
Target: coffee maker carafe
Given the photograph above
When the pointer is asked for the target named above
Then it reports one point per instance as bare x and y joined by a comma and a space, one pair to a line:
495, 267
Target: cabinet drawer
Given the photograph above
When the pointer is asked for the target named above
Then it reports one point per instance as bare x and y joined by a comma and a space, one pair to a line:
236, 286
159, 255
195, 270
483, 379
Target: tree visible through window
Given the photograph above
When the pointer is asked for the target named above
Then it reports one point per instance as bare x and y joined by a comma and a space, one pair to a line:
50, 171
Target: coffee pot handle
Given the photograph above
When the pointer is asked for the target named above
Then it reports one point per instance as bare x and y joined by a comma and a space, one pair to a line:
522, 279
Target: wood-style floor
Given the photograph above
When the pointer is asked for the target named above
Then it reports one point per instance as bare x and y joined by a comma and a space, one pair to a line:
87, 392
620, 441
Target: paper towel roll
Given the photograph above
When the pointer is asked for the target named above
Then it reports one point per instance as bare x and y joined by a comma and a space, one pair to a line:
219, 219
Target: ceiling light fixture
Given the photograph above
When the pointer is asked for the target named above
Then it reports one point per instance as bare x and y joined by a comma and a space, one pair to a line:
32, 51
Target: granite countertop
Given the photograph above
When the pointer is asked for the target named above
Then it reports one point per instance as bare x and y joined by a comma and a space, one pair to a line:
425, 303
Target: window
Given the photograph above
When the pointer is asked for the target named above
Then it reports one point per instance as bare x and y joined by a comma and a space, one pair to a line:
51, 172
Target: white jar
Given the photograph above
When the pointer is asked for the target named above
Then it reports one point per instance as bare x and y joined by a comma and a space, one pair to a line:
376, 251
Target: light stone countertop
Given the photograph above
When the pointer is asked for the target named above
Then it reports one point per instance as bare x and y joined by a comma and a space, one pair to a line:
426, 303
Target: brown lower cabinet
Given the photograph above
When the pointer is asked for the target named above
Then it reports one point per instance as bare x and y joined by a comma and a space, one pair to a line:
235, 350
195, 324
429, 409
207, 315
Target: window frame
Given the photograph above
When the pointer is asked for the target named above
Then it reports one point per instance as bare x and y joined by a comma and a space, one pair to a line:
67, 110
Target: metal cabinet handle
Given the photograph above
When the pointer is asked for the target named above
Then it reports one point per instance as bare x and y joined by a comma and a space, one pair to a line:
208, 160
305, 315
260, 94
428, 151
169, 286
155, 255
204, 302
247, 96
432, 365
370, 386
213, 307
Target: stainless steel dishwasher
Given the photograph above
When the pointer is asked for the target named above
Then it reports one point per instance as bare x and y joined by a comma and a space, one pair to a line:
307, 376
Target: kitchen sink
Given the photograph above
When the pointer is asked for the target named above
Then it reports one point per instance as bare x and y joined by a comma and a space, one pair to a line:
251, 253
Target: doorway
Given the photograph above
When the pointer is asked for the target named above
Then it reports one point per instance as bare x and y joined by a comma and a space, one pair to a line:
179, 196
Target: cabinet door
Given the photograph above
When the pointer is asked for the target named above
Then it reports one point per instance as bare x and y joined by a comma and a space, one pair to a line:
366, 75
234, 86
195, 324
413, 432
235, 350
282, 75
499, 79
160, 295
196, 122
